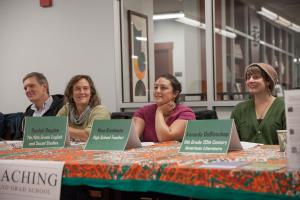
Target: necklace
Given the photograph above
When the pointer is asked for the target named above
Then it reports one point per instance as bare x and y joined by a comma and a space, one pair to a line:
260, 116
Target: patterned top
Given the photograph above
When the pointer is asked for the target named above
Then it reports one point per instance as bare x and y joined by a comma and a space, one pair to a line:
98, 112
147, 113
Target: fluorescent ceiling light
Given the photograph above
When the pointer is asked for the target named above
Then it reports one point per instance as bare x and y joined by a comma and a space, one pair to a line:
195, 23
225, 33
268, 14
283, 21
168, 16
141, 38
191, 22
278, 19
295, 27
180, 17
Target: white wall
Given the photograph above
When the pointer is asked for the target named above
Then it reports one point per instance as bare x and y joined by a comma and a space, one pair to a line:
171, 31
71, 37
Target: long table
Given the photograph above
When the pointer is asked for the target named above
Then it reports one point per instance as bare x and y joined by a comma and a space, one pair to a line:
160, 168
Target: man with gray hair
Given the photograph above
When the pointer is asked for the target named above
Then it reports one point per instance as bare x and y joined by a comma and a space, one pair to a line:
37, 91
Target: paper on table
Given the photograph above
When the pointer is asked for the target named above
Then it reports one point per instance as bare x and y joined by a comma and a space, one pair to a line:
15, 144
263, 166
4, 146
145, 144
248, 145
225, 164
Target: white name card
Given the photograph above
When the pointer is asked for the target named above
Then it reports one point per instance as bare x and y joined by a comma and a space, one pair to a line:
30, 179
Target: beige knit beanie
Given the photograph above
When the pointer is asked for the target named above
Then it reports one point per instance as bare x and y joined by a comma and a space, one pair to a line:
268, 69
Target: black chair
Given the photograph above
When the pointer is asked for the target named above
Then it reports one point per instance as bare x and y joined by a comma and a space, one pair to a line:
206, 114
1, 126
12, 126
121, 115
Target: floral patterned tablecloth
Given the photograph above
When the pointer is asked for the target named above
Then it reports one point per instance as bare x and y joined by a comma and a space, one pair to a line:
160, 168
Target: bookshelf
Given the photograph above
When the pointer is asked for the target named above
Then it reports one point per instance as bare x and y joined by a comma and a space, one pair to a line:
258, 40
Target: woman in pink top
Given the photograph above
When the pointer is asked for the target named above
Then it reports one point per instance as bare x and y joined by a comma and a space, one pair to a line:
166, 119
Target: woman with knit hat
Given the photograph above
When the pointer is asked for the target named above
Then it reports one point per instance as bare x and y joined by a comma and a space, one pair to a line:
258, 118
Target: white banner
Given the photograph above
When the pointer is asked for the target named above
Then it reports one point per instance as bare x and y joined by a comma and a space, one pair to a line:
30, 179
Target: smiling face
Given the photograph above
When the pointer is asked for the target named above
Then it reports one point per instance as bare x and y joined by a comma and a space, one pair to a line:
163, 91
81, 93
35, 91
255, 81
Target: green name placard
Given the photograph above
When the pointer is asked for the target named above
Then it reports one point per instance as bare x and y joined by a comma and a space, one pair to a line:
45, 132
118, 134
210, 136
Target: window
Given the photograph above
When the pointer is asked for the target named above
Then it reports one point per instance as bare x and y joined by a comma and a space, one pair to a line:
248, 37
178, 45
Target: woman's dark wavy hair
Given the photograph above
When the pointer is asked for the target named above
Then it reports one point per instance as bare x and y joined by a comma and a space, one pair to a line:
94, 100
176, 85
